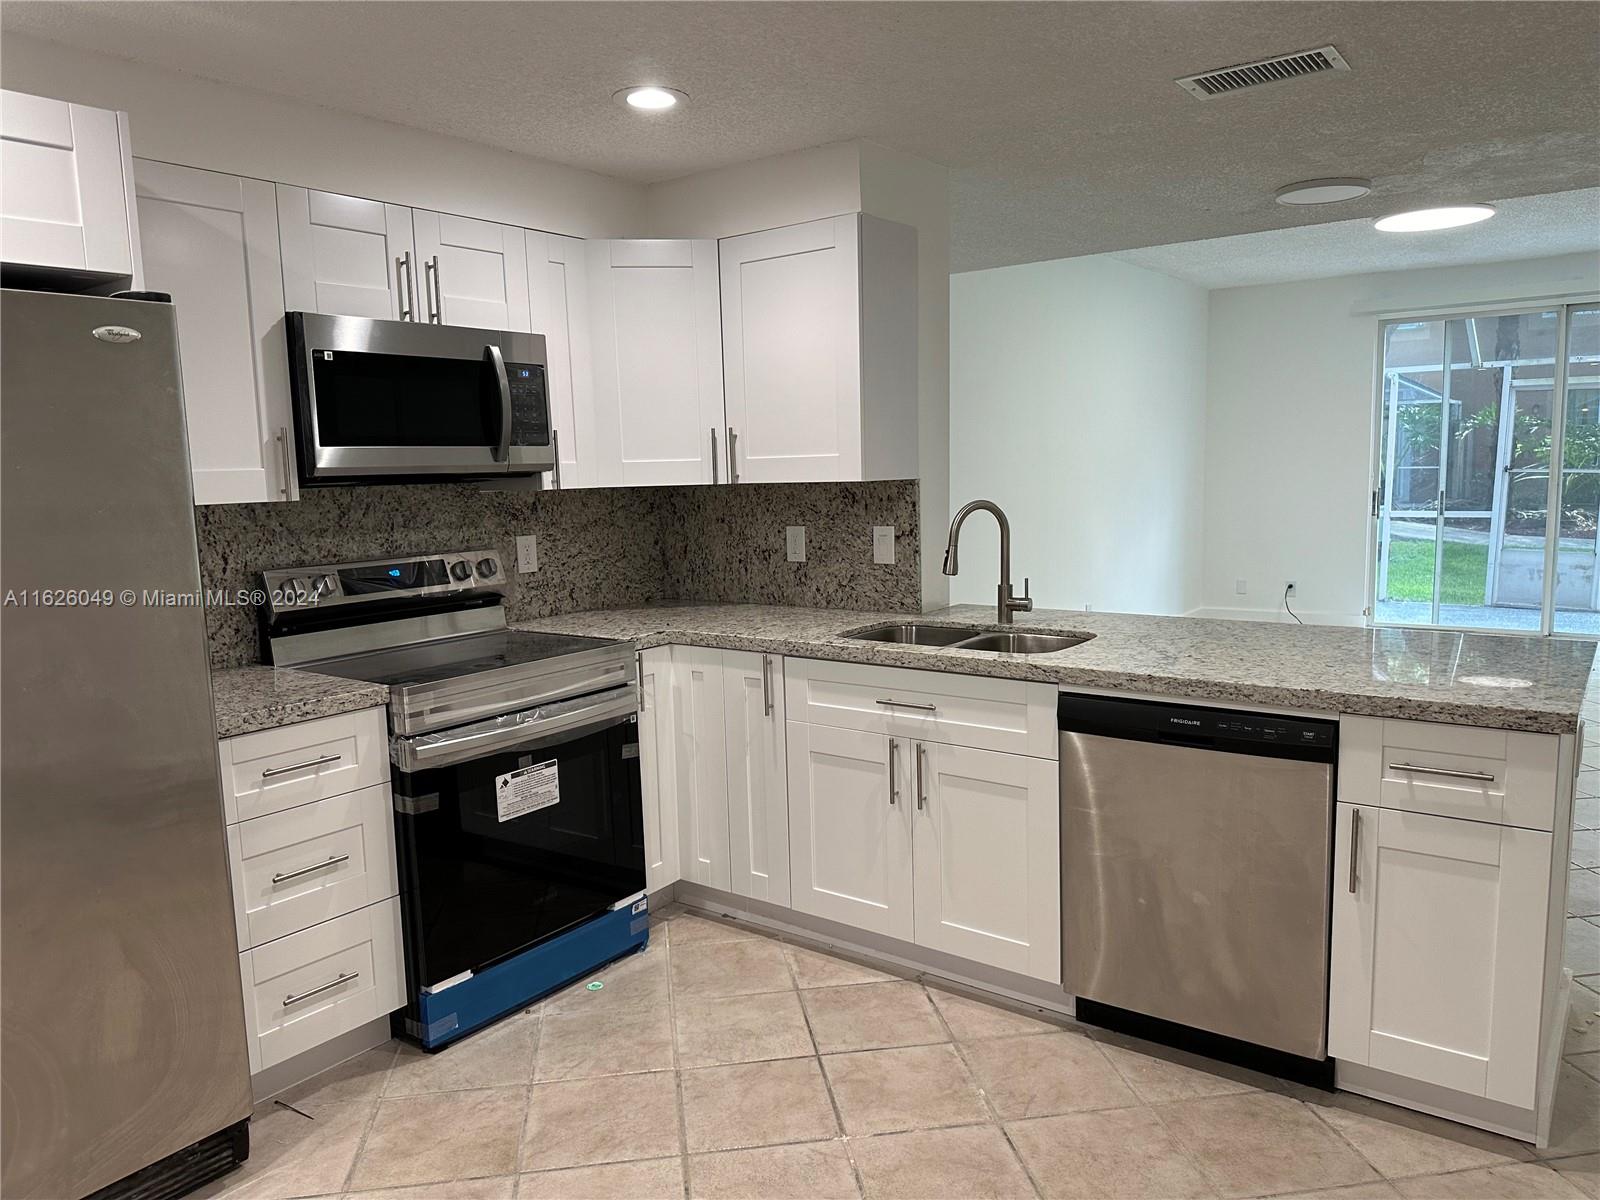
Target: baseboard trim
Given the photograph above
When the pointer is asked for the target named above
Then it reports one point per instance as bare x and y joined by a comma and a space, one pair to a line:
283, 1076
1507, 1119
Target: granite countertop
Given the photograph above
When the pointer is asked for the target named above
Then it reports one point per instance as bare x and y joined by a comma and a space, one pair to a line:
1493, 680
251, 698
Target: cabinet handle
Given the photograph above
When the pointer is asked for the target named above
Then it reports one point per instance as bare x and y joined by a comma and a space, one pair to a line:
1445, 772
922, 794
435, 295
344, 977
909, 704
638, 660
766, 684
1355, 848
406, 286
285, 876
714, 473
283, 460
733, 455
555, 450
894, 787
301, 766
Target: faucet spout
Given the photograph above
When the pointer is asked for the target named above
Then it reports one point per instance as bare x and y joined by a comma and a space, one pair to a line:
1008, 603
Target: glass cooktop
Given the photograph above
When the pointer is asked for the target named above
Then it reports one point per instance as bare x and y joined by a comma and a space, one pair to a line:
453, 658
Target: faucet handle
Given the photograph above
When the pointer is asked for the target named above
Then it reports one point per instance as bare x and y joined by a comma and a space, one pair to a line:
1024, 602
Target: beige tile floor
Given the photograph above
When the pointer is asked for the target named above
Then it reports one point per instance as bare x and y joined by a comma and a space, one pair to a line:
725, 1063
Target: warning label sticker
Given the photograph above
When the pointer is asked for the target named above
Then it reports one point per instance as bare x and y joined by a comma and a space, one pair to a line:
526, 790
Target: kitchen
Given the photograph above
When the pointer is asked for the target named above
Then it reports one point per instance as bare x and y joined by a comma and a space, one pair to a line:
639, 766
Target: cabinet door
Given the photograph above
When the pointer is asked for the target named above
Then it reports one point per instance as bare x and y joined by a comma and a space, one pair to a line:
791, 313
702, 766
758, 782
658, 768
849, 827
1438, 950
657, 356
212, 241
472, 273
346, 256
559, 298
64, 186
986, 846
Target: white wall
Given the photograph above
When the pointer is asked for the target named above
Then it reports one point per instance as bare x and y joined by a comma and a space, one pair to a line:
1077, 403
1289, 425
183, 119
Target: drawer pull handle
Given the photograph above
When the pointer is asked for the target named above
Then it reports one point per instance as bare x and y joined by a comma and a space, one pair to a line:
908, 704
344, 977
301, 766
321, 866
1445, 772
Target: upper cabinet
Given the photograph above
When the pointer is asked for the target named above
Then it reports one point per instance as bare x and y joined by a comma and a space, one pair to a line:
559, 296
212, 242
819, 327
657, 360
346, 256
66, 193
474, 273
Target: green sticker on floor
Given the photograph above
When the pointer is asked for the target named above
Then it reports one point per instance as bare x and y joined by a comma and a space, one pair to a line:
595, 986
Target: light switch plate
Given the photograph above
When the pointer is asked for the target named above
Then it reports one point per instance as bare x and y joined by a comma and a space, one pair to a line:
527, 553
883, 545
794, 540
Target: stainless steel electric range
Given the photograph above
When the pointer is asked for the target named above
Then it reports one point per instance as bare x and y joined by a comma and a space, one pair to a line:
514, 764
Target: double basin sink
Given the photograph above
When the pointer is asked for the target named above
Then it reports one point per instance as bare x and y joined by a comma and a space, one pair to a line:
966, 637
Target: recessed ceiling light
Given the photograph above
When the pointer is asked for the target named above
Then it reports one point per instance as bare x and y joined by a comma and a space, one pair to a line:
1422, 219
1323, 191
650, 98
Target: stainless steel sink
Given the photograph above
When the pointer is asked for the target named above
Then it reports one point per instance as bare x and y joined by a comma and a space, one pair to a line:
914, 633
1020, 643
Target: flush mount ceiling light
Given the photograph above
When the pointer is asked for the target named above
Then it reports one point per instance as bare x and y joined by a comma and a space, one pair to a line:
1323, 191
650, 97
1423, 219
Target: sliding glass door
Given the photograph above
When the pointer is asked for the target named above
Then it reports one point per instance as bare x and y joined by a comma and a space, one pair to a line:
1474, 410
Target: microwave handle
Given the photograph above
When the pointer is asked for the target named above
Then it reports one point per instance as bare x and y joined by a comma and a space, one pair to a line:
497, 362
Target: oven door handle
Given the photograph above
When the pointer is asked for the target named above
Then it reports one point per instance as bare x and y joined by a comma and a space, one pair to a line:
450, 746
497, 364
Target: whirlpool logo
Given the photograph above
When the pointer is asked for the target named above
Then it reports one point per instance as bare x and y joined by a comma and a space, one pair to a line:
117, 334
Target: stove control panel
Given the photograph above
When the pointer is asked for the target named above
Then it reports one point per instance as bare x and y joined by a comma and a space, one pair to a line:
300, 589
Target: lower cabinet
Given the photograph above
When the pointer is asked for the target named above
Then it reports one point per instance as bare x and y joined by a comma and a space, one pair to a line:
1437, 969
950, 847
658, 767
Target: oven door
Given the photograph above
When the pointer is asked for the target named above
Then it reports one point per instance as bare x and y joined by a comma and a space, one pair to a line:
515, 829
378, 400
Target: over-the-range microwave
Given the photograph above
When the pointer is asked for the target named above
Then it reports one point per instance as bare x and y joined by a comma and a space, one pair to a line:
387, 401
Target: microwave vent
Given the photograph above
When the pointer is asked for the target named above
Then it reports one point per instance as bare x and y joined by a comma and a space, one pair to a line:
1266, 70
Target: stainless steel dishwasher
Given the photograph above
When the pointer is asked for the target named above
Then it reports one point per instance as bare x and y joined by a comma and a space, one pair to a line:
1196, 862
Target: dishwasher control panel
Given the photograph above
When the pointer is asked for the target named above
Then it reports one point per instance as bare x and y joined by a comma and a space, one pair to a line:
1147, 720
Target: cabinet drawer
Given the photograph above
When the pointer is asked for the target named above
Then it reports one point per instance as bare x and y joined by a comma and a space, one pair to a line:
303, 989
282, 768
1494, 775
296, 868
1012, 715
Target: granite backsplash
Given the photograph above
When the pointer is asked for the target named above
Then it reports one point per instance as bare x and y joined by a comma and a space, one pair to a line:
601, 547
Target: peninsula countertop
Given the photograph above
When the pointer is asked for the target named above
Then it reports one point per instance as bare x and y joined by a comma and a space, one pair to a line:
1497, 681
249, 698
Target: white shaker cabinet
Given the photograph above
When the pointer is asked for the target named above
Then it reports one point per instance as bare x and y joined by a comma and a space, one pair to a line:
1438, 953
211, 241
66, 191
819, 326
656, 344
347, 256
658, 768
757, 774
986, 851
472, 273
702, 766
849, 827
559, 296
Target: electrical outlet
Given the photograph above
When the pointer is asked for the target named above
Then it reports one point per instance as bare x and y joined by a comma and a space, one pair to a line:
527, 553
1238, 587
794, 539
883, 545
1289, 588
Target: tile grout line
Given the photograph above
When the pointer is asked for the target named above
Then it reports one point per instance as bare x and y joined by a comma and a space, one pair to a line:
677, 1072
827, 1084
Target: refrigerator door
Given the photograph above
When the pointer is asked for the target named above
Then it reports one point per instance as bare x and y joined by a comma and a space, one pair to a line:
123, 1023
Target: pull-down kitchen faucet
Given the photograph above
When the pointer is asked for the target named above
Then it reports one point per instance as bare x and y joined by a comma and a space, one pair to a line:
1008, 603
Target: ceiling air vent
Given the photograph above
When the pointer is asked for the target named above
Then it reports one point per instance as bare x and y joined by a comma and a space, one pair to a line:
1267, 70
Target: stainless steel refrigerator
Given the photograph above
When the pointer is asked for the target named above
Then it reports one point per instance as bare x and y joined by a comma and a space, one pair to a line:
123, 1040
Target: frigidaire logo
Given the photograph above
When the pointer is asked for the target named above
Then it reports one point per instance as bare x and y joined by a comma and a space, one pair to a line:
117, 334
1183, 721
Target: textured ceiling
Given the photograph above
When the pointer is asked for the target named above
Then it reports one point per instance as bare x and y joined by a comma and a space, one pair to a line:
1060, 122
1529, 227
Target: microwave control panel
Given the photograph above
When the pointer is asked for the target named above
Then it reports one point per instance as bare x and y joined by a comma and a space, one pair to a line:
530, 406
